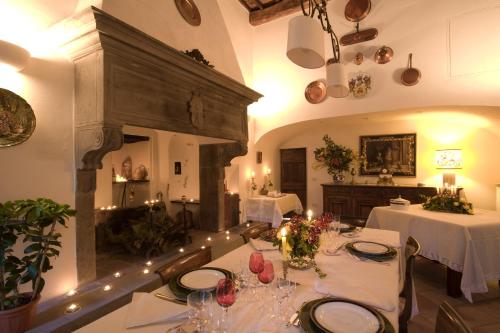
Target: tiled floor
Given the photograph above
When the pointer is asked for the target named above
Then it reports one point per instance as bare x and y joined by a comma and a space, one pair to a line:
430, 285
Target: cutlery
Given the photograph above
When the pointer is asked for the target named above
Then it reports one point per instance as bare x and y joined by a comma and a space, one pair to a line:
367, 259
169, 298
294, 318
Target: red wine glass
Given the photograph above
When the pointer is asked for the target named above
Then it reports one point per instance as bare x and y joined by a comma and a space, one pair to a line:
226, 296
256, 263
267, 274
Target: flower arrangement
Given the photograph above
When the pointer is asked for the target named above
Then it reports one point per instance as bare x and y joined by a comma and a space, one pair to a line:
303, 240
336, 158
449, 203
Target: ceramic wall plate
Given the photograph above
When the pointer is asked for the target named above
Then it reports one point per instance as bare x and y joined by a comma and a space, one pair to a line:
315, 92
360, 84
17, 120
189, 11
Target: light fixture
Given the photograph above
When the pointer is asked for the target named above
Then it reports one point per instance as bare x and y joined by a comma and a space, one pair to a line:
448, 159
13, 56
306, 45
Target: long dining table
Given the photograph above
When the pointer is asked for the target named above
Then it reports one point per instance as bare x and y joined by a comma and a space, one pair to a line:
367, 282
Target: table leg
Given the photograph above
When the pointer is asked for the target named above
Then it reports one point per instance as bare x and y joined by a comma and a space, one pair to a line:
453, 280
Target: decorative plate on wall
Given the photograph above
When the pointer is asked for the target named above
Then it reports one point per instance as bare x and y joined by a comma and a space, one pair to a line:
189, 11
17, 120
316, 92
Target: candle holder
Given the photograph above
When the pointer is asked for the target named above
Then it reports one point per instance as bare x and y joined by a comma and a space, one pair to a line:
285, 268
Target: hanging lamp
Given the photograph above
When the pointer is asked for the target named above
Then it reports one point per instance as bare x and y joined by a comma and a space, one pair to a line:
306, 45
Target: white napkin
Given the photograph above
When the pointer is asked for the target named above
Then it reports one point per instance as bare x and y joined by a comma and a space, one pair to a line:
261, 245
147, 309
354, 292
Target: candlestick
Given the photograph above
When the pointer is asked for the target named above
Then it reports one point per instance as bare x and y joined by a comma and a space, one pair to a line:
283, 243
309, 215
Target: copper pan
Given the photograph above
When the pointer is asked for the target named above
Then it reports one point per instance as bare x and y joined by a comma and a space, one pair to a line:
384, 55
356, 10
410, 76
315, 92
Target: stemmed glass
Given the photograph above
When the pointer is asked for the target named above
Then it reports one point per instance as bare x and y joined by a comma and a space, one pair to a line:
200, 310
267, 274
256, 263
226, 296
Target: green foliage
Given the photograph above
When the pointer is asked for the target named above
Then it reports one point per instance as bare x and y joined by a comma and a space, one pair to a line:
336, 158
448, 203
33, 222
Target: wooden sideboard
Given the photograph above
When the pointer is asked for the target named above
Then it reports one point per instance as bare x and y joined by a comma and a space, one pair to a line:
357, 200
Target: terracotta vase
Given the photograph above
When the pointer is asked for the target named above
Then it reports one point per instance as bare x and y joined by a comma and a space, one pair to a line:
20, 319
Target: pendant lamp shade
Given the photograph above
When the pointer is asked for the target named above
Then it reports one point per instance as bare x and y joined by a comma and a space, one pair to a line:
13, 56
335, 80
306, 46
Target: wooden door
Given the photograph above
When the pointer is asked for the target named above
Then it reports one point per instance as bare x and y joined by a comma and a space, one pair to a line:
294, 173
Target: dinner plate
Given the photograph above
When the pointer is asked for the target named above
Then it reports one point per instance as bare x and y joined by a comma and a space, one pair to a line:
341, 316
201, 279
309, 326
370, 248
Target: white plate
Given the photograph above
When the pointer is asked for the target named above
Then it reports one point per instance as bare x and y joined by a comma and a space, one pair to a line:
342, 317
202, 278
372, 248
344, 226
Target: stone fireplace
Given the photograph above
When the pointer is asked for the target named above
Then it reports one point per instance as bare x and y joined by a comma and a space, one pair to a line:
125, 77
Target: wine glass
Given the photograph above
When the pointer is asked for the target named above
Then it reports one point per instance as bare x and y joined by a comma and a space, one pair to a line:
200, 309
267, 274
226, 296
256, 263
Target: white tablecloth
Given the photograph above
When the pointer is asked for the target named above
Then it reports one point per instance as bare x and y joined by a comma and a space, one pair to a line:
466, 243
267, 209
368, 280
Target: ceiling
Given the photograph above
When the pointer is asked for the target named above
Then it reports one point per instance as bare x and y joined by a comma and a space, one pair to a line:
262, 11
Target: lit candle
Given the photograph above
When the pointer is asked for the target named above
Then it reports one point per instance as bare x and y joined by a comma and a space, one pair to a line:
107, 287
253, 174
283, 242
268, 172
73, 307
309, 215
72, 292
145, 271
146, 202
149, 263
117, 274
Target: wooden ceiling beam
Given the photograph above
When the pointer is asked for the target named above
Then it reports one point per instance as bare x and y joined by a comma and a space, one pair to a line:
280, 9
245, 4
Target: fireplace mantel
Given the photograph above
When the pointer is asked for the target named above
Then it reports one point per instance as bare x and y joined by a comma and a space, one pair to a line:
126, 77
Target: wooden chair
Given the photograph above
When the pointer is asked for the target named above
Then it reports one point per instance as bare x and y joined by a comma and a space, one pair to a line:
254, 231
412, 249
449, 321
188, 261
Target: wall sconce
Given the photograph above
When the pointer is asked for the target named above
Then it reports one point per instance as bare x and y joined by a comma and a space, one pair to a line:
449, 159
13, 56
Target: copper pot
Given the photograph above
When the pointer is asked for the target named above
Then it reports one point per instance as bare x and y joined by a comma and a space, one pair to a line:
384, 55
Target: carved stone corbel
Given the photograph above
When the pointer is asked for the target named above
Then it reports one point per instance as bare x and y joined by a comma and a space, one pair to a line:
93, 142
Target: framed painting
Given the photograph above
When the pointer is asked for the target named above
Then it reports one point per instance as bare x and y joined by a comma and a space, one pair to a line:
395, 152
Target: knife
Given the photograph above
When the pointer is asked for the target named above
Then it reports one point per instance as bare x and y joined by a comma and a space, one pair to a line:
170, 298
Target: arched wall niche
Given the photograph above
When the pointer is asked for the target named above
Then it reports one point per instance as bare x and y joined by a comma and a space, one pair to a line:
474, 129
125, 77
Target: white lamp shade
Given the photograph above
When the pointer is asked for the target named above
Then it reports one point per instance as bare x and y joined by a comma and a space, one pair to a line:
306, 46
335, 80
13, 56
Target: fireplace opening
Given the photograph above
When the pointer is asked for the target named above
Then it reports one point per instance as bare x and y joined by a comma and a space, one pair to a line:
147, 199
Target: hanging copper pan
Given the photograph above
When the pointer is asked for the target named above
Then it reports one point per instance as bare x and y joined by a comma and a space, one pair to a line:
410, 76
356, 10
189, 11
316, 92
384, 55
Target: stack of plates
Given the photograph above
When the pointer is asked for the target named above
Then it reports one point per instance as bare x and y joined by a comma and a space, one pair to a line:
204, 278
342, 315
371, 250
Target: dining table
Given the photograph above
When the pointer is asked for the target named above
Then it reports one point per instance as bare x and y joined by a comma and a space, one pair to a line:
365, 281
270, 209
469, 245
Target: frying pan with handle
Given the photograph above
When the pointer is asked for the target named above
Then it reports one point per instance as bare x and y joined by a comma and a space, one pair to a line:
410, 76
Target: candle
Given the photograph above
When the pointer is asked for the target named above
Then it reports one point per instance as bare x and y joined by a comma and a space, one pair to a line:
253, 174
283, 242
309, 215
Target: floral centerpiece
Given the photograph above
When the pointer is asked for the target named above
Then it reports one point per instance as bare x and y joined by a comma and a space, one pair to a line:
336, 158
302, 240
445, 202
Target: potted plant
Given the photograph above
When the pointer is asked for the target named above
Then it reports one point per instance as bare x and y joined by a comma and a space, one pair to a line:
336, 158
34, 223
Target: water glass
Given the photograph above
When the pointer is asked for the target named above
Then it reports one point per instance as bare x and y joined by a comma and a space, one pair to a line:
200, 310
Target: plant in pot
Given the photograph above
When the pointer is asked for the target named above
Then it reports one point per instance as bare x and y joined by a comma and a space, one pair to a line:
33, 222
336, 158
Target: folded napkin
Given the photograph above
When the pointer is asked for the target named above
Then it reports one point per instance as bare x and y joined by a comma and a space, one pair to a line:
261, 245
353, 292
147, 309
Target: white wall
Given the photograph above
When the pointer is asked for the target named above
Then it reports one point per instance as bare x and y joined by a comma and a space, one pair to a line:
418, 26
475, 131
184, 148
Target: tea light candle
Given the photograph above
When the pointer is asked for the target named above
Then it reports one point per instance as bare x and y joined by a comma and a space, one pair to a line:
107, 287
283, 242
117, 274
73, 307
71, 292
149, 263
